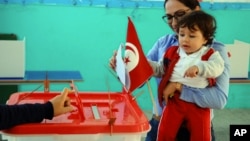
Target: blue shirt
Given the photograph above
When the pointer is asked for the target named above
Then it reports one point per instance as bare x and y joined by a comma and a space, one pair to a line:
210, 97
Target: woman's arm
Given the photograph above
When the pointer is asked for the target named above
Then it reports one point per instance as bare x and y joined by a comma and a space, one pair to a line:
12, 115
211, 97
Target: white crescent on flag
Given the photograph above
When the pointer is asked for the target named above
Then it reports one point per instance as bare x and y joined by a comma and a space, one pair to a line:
131, 58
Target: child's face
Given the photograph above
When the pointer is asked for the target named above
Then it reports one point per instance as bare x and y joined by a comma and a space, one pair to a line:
191, 40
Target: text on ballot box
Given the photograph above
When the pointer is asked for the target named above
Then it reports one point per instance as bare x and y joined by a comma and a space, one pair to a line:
239, 132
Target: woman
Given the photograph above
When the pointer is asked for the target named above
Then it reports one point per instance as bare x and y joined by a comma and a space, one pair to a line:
212, 97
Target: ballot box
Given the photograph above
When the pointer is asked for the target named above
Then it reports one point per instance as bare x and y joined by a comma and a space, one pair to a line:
98, 116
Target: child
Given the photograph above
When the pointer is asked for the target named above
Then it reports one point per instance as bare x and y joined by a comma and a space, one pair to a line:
192, 64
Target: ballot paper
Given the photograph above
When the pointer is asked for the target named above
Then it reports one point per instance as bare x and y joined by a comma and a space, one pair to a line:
120, 66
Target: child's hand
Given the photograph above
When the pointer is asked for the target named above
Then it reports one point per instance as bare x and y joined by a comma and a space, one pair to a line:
191, 72
169, 90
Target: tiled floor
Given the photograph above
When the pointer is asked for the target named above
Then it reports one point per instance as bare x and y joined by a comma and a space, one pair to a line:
223, 118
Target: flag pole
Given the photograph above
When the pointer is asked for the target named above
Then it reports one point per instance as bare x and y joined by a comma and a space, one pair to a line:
152, 98
137, 95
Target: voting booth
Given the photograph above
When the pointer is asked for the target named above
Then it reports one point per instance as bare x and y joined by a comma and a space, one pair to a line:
239, 53
12, 62
98, 116
12, 58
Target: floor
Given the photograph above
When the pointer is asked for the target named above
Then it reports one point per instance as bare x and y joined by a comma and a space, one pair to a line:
222, 120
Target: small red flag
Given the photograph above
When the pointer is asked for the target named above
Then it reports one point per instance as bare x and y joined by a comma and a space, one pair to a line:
137, 67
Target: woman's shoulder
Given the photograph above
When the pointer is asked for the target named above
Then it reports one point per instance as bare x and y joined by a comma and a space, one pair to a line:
168, 37
217, 44
167, 40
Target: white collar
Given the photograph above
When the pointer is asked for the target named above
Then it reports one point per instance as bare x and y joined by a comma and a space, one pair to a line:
182, 53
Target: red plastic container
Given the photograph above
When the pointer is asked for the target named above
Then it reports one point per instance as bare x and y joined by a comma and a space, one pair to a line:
110, 114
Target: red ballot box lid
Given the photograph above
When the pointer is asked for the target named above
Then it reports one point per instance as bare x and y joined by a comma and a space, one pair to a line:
95, 112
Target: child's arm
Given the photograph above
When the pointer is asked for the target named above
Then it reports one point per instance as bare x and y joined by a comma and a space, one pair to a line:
211, 97
211, 68
158, 68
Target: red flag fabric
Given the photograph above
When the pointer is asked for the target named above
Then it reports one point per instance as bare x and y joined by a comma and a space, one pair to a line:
137, 66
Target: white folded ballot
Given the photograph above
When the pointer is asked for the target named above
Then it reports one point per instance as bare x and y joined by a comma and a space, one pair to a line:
12, 58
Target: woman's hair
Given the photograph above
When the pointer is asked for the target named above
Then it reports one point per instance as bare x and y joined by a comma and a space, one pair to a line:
192, 4
205, 23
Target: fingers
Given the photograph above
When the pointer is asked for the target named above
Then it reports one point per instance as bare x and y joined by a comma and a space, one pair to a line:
67, 102
166, 100
65, 93
190, 74
65, 98
115, 53
67, 106
112, 60
112, 63
165, 97
68, 109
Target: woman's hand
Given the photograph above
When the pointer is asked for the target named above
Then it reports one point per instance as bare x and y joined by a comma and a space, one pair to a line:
112, 60
61, 103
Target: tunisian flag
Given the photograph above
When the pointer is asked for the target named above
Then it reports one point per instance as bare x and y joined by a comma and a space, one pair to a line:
137, 67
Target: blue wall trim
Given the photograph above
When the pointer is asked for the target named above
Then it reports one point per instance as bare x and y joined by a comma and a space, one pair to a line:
127, 4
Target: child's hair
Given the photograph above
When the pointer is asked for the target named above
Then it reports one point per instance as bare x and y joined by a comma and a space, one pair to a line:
205, 23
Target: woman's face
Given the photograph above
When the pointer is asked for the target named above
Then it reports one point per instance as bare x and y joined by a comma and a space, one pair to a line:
174, 10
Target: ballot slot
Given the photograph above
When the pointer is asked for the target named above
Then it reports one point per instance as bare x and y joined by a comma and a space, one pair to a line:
95, 112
